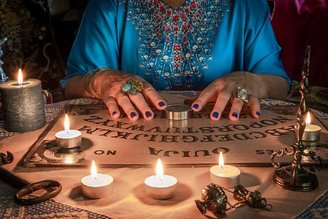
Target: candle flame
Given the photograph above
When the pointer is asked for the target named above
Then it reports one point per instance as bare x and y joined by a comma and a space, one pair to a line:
159, 170
20, 77
94, 169
66, 123
308, 119
221, 160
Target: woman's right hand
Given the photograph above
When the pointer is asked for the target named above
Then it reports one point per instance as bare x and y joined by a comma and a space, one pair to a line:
107, 85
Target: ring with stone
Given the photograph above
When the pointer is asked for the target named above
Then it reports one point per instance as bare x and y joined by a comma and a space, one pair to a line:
242, 94
132, 87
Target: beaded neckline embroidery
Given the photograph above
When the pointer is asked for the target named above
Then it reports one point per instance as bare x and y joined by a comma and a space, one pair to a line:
175, 44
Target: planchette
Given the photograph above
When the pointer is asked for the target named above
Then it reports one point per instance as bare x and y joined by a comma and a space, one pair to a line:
174, 3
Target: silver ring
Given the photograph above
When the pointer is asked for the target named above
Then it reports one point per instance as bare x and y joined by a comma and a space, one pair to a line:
242, 94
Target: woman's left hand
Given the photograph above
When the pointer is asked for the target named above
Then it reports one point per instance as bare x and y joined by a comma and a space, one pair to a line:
224, 89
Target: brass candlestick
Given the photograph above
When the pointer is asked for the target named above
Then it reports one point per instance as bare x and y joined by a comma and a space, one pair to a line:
294, 176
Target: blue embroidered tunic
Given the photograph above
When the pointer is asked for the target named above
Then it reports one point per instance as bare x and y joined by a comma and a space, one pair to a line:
176, 49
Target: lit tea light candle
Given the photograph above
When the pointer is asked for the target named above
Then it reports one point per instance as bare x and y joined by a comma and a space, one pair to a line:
160, 186
96, 185
311, 132
23, 105
226, 176
68, 138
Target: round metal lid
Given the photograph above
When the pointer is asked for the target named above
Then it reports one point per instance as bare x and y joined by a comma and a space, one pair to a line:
177, 111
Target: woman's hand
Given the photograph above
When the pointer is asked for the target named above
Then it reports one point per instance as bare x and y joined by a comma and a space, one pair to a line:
223, 90
107, 85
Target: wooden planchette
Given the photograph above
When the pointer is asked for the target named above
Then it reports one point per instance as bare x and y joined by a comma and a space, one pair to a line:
174, 3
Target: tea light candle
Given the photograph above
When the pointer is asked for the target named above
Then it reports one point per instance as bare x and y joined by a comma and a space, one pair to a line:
226, 176
160, 186
23, 105
311, 132
68, 138
96, 185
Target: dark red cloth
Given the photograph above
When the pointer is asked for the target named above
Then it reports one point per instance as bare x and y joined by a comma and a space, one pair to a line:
298, 23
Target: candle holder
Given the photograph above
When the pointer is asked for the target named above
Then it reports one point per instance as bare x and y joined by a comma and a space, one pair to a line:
295, 177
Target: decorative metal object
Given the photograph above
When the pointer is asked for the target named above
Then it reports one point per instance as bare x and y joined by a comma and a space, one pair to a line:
25, 189
294, 176
177, 111
3, 76
214, 199
6, 158
251, 199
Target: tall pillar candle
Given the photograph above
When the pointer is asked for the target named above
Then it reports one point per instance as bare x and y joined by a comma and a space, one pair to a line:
23, 105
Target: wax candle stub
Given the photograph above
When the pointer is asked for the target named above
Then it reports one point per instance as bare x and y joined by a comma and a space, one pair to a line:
226, 176
68, 138
96, 185
312, 131
23, 105
160, 186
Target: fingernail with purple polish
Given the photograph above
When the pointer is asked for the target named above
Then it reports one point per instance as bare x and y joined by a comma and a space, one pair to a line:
235, 114
215, 115
195, 106
258, 113
114, 113
148, 114
161, 104
133, 114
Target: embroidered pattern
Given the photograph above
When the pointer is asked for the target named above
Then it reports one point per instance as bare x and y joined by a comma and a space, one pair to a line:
175, 44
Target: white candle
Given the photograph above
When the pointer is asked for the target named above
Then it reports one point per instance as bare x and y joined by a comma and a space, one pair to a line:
96, 185
68, 138
311, 132
160, 186
226, 176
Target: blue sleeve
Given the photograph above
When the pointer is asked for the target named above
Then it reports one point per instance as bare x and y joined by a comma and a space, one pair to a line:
96, 44
262, 52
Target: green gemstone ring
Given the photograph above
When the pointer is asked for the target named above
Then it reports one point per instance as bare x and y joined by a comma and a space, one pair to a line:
132, 87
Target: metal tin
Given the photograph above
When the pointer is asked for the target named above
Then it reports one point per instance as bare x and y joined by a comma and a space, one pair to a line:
177, 111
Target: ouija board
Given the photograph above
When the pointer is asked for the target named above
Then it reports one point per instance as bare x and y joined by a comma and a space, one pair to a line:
196, 141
